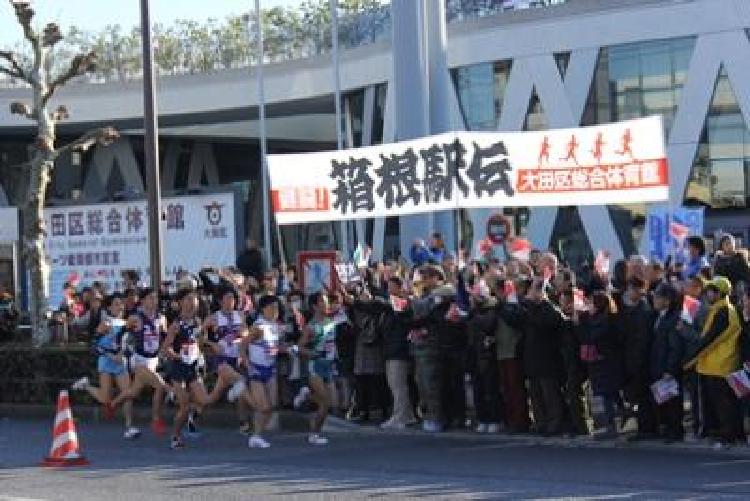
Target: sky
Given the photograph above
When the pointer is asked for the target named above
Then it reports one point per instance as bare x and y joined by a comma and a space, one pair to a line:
93, 14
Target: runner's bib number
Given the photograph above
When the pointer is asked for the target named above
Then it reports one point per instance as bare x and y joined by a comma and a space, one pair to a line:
151, 343
189, 353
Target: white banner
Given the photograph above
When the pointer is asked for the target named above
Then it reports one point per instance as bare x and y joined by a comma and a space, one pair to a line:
625, 162
97, 242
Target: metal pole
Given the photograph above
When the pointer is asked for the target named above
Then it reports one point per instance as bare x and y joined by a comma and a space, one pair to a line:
334, 4
151, 146
263, 141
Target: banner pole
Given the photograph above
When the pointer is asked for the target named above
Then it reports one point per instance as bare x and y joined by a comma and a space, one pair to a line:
334, 4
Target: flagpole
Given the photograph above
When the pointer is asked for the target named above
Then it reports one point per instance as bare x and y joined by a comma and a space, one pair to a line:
263, 139
334, 4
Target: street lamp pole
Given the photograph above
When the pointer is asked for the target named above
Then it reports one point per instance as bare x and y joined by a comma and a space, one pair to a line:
263, 137
151, 147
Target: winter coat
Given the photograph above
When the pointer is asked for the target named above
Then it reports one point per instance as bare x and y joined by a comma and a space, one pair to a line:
392, 327
507, 340
637, 321
541, 324
719, 352
607, 372
733, 267
667, 349
368, 357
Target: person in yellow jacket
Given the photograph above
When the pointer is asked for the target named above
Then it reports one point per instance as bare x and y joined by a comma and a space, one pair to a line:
718, 356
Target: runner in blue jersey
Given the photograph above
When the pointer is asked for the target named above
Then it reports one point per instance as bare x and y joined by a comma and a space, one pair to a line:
259, 353
318, 344
110, 364
144, 333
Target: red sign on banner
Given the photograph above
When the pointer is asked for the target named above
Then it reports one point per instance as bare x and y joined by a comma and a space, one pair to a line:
644, 174
300, 198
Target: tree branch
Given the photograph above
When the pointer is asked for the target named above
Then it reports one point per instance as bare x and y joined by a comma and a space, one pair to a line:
25, 14
81, 64
104, 136
15, 70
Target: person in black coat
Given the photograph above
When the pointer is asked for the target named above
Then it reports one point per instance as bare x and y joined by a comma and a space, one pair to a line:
250, 261
637, 320
667, 352
601, 341
541, 323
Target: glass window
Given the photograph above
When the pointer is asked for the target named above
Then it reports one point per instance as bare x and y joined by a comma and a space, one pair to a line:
719, 177
481, 90
633, 81
535, 118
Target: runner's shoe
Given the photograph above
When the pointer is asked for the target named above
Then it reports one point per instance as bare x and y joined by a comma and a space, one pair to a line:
82, 384
158, 427
131, 433
192, 425
257, 442
236, 391
316, 439
177, 443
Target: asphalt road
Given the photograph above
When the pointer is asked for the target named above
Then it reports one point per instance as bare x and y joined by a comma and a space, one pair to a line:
360, 466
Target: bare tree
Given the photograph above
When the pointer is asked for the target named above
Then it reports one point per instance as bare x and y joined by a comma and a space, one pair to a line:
39, 76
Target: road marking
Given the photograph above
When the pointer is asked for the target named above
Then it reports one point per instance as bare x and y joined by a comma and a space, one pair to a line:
727, 462
12, 498
719, 485
489, 447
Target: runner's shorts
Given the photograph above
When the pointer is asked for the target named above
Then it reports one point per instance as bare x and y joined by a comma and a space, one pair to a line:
261, 373
180, 372
137, 361
106, 365
322, 368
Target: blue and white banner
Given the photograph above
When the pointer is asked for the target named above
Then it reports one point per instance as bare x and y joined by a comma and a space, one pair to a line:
662, 242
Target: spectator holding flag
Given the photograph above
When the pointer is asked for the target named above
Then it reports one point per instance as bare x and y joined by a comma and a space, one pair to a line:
666, 356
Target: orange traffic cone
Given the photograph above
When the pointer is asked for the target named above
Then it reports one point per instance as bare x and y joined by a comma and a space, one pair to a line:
65, 450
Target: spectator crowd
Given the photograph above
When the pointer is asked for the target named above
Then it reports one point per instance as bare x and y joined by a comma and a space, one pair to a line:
497, 344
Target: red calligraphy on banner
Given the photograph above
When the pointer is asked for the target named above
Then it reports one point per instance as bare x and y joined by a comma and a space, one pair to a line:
640, 174
301, 199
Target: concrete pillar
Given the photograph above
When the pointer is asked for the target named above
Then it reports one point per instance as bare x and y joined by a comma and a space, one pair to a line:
424, 99
410, 87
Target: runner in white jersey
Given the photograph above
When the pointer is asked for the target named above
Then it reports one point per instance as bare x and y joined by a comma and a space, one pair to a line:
259, 353
225, 331
143, 338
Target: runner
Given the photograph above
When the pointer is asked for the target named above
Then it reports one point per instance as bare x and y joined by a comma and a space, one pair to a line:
110, 364
318, 343
225, 331
261, 349
143, 337
182, 349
